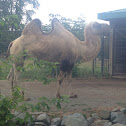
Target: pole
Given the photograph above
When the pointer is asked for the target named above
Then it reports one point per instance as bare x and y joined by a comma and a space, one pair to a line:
102, 55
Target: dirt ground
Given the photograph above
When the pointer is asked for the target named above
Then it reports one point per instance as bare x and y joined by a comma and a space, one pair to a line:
92, 93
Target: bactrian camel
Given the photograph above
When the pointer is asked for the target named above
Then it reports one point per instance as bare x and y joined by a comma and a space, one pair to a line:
59, 45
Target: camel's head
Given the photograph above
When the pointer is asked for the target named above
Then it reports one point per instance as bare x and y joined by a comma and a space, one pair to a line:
100, 28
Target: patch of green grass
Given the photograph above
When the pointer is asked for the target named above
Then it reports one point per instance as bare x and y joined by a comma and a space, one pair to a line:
84, 70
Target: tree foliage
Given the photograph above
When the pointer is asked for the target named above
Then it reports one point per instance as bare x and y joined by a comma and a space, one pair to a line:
13, 13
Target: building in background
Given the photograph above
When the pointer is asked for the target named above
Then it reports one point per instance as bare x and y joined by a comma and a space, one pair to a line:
117, 41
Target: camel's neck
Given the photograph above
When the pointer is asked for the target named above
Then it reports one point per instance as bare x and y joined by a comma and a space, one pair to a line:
90, 48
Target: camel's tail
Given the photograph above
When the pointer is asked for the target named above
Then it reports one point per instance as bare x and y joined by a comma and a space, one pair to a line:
8, 50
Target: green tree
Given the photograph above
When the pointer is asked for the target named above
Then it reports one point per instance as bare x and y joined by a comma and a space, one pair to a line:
14, 14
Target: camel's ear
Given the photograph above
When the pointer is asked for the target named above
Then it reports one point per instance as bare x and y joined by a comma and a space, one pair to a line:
34, 27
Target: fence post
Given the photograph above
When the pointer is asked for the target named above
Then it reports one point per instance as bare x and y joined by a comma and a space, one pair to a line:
102, 55
93, 63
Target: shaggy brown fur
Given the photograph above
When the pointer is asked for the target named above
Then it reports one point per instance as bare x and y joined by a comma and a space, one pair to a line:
59, 45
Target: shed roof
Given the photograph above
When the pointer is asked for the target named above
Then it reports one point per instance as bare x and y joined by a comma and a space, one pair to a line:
111, 15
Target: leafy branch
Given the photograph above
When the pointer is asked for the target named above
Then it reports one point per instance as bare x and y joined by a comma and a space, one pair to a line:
15, 103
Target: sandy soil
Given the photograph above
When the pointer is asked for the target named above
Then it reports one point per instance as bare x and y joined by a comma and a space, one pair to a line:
92, 93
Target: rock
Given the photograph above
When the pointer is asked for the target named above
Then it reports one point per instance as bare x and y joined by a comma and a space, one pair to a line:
115, 110
33, 116
118, 117
31, 124
56, 121
40, 124
123, 110
100, 123
118, 124
95, 115
16, 113
43, 118
90, 120
76, 119
104, 114
19, 115
22, 116
108, 124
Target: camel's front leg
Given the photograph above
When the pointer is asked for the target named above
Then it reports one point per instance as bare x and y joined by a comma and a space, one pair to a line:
69, 78
60, 80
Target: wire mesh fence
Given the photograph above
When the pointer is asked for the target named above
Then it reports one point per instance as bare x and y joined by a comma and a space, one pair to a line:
119, 51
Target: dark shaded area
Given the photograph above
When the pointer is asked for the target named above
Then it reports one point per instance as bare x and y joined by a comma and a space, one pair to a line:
66, 66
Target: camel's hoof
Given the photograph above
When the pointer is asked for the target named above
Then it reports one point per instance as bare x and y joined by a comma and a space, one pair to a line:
73, 96
27, 99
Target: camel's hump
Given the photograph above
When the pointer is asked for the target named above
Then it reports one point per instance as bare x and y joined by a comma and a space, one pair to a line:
34, 27
57, 27
55, 20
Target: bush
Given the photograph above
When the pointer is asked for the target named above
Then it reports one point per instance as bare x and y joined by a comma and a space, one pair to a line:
7, 104
5, 67
33, 70
15, 103
43, 70
39, 70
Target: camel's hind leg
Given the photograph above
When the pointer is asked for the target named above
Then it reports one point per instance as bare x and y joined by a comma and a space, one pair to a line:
69, 78
10, 78
60, 80
13, 77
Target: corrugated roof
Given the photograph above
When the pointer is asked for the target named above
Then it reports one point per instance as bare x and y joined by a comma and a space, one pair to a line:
110, 15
